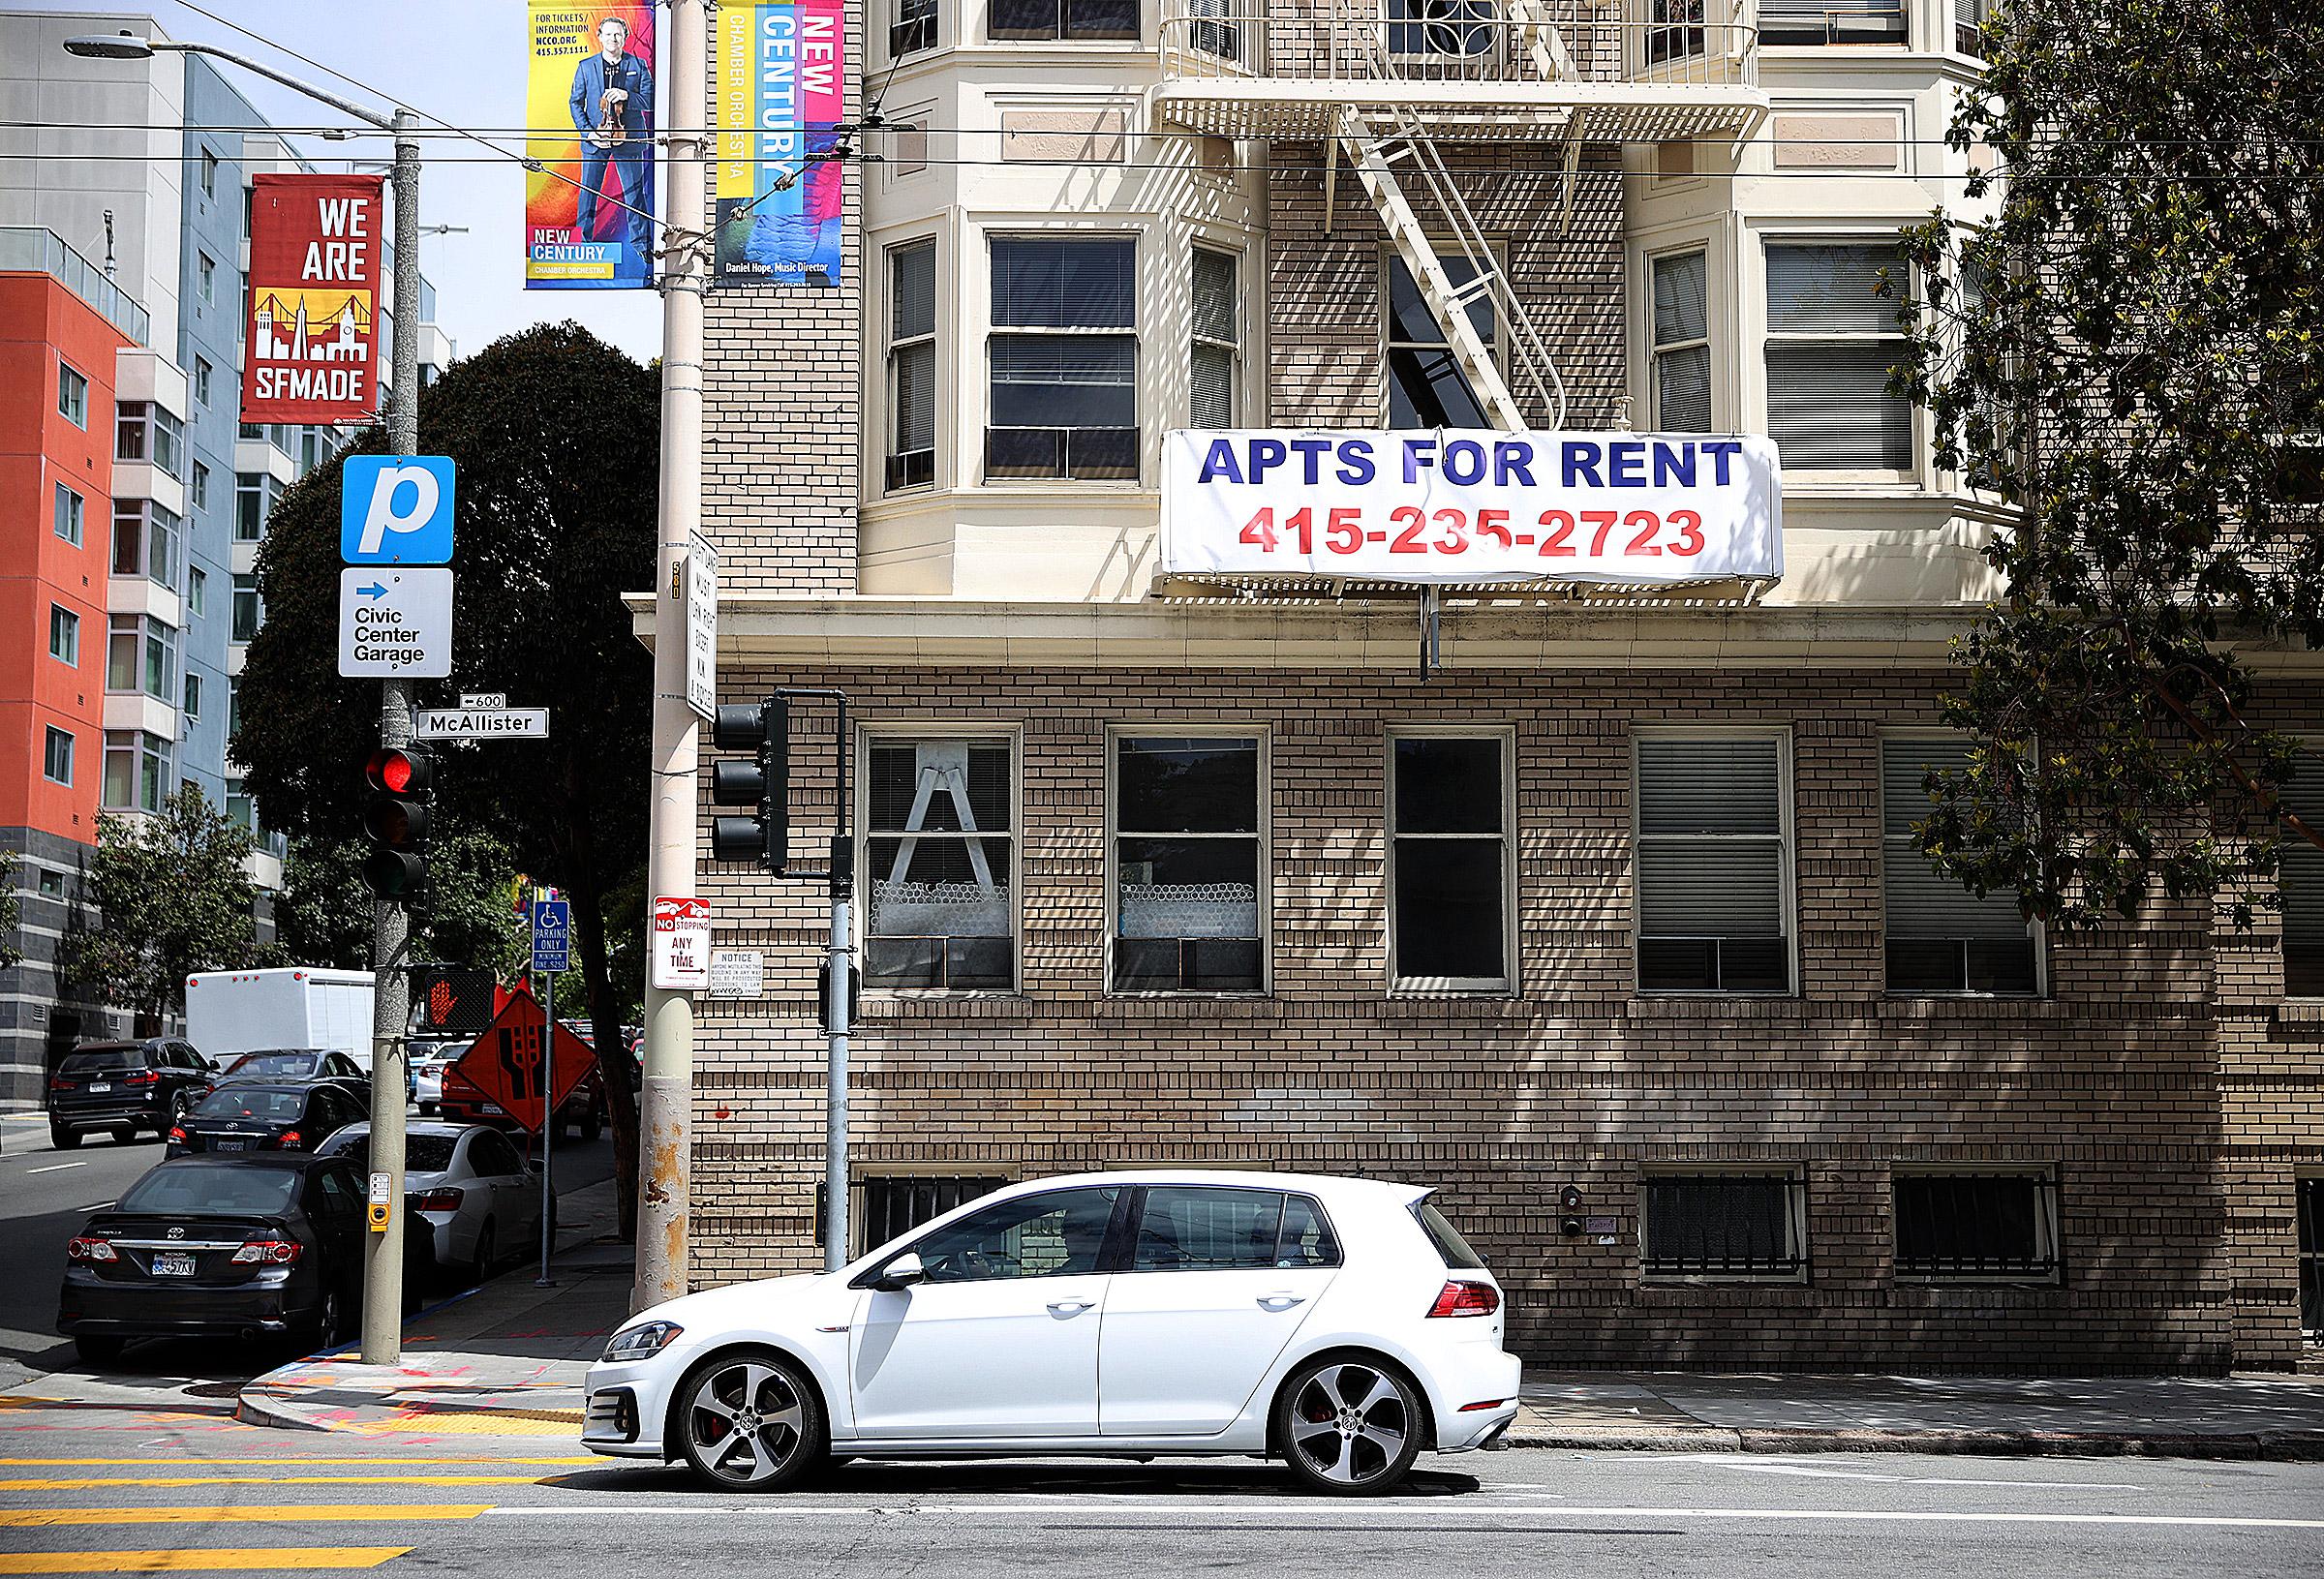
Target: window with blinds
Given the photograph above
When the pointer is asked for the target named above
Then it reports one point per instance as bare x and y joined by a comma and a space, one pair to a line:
1832, 22
1063, 358
1425, 386
2299, 879
1447, 805
1831, 343
1682, 346
1214, 358
1064, 18
1712, 864
1724, 1225
938, 866
911, 461
1940, 937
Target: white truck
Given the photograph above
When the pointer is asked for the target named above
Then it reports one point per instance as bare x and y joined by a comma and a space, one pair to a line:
230, 1013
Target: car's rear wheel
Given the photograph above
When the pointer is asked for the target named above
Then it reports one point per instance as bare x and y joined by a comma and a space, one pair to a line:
99, 1351
1348, 1427
487, 1251
331, 1321
749, 1421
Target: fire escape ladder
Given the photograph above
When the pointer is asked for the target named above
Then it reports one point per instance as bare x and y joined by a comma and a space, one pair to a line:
1375, 146
1544, 45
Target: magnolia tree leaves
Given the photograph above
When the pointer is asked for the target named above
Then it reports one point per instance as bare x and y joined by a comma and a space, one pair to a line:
173, 895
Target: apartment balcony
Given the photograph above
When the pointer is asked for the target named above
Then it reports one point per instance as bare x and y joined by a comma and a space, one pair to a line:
1531, 71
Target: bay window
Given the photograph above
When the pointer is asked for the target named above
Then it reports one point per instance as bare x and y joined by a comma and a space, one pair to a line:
1214, 369
1682, 346
1064, 358
1831, 343
137, 771
141, 655
145, 541
144, 432
912, 366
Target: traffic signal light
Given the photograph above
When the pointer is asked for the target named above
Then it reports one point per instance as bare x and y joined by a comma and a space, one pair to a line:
395, 815
764, 783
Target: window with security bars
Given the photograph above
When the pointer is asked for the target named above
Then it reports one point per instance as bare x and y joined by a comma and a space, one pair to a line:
914, 27
888, 1208
2300, 884
1682, 345
1447, 807
1187, 865
1832, 22
1064, 18
2309, 1203
912, 366
1831, 343
1713, 895
1064, 358
1214, 358
938, 866
1723, 1225
1425, 386
1977, 1224
1441, 27
1939, 937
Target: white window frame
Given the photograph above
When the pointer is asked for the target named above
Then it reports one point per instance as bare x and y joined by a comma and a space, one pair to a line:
1138, 239
1505, 985
1655, 349
205, 272
190, 689
202, 379
1787, 796
2034, 929
1192, 729
2048, 1231
1859, 235
1794, 1178
72, 394
1233, 348
72, 510
72, 749
69, 624
1389, 260
892, 344
877, 730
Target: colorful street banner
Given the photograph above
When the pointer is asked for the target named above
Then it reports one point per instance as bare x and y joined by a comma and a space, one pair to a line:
310, 347
781, 95
589, 209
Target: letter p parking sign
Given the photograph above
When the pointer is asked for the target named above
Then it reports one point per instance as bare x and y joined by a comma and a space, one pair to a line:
396, 509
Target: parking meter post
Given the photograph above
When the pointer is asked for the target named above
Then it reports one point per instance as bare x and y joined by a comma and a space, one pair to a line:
548, 1065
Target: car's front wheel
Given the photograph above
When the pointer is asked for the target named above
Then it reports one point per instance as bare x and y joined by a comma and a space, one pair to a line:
1348, 1427
749, 1421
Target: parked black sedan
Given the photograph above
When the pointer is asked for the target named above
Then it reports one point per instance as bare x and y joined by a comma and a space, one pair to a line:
267, 1115
123, 1087
216, 1246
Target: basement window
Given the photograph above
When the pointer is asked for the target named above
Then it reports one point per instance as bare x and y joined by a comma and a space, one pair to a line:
1724, 1225
1997, 1225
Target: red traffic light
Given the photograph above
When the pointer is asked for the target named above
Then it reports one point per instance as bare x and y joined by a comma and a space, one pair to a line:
397, 771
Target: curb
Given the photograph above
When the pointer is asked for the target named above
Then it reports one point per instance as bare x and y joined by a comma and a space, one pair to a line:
254, 1408
2284, 1447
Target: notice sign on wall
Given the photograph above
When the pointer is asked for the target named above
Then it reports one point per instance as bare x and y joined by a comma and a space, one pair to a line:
1472, 506
310, 347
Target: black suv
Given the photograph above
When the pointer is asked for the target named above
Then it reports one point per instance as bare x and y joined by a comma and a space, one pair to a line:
125, 1086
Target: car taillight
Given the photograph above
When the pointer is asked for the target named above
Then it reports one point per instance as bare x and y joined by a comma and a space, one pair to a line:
275, 1251
178, 1135
91, 1250
148, 1078
1459, 1298
288, 1140
60, 1083
434, 1201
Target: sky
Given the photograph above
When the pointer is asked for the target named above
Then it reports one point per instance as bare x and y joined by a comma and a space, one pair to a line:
460, 59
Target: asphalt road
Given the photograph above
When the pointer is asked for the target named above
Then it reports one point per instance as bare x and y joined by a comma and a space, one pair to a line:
47, 1194
170, 1480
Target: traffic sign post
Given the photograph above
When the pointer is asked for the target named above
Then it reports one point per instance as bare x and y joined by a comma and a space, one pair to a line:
552, 952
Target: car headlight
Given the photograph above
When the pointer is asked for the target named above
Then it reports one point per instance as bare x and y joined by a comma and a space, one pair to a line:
637, 1342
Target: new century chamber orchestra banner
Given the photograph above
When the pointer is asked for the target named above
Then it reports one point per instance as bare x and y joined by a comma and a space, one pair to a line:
588, 108
311, 344
1472, 506
782, 93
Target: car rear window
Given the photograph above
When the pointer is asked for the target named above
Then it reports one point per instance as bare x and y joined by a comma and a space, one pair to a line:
241, 1102
211, 1187
423, 1153
274, 1063
1458, 1256
102, 1063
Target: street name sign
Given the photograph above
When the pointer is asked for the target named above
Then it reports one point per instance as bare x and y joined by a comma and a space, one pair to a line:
506, 1063
480, 723
552, 934
395, 624
396, 509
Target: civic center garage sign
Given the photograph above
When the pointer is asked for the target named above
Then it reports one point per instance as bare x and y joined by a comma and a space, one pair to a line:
1472, 506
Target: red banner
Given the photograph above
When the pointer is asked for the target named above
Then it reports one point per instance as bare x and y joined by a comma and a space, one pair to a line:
311, 349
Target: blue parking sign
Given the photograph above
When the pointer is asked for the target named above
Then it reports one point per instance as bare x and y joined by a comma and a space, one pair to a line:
396, 509
552, 934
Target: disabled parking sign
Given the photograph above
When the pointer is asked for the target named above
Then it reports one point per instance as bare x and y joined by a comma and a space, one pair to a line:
396, 509
552, 934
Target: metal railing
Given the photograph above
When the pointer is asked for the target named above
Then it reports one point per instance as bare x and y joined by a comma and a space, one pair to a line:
35, 249
1707, 43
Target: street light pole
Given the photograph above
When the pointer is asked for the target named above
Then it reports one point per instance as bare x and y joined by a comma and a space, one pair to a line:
391, 1001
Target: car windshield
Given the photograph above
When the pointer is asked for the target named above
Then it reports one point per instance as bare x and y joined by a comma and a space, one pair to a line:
423, 1153
276, 1063
108, 1062
211, 1187
243, 1102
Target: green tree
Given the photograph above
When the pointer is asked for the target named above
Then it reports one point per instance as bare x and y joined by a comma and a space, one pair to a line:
2129, 351
324, 915
555, 436
174, 897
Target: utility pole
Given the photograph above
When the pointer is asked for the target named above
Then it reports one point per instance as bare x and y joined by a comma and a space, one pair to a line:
391, 1000
665, 1097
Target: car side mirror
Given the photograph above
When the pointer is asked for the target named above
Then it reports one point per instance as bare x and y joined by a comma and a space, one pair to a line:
901, 1273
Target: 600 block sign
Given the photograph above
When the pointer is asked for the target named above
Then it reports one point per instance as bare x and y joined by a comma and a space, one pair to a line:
1472, 507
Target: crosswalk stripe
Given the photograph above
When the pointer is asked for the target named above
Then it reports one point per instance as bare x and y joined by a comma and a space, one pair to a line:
375, 1458
208, 1560
94, 1482
256, 1514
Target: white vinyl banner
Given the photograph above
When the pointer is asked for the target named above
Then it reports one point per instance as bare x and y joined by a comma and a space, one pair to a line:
1471, 505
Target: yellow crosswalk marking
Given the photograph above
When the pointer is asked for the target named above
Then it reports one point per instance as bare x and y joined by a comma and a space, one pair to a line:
256, 1514
95, 1481
205, 1561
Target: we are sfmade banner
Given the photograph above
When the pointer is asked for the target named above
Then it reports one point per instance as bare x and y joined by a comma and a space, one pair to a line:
589, 102
781, 91
310, 342
1472, 506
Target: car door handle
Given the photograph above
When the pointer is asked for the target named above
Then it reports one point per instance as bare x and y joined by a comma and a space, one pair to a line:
1069, 1307
1281, 1302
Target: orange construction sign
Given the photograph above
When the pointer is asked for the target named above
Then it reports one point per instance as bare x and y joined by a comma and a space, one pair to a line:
507, 1062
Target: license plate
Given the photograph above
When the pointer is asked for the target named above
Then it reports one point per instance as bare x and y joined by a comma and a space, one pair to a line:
233, 1145
173, 1264
102, 1086
495, 1108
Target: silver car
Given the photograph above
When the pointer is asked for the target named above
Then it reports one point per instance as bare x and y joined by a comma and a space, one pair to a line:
465, 1181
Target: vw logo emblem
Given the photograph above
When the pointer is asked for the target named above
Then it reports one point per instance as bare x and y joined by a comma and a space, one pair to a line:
177, 1233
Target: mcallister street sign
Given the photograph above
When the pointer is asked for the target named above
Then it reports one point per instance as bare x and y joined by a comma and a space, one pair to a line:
480, 723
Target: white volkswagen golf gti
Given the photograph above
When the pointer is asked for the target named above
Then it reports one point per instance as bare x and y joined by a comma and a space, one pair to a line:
1339, 1325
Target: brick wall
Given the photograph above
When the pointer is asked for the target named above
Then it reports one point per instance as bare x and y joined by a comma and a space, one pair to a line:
1502, 1102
